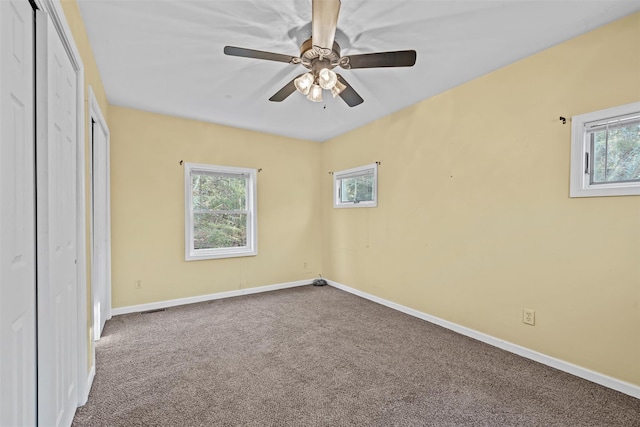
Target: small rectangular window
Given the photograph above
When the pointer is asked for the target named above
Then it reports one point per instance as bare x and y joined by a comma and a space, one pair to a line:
220, 214
605, 152
356, 188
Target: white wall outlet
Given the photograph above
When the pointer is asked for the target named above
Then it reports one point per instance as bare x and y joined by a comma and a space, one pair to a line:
529, 316
138, 284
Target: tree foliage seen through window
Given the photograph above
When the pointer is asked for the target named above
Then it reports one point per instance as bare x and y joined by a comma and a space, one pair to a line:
219, 211
616, 154
356, 189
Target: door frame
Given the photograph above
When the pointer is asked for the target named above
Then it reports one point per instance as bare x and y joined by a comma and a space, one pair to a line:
95, 114
84, 372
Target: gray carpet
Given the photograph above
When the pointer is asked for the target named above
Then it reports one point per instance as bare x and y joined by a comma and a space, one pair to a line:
317, 356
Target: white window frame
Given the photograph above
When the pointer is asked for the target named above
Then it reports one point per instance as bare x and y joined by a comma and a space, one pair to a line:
580, 185
251, 249
352, 173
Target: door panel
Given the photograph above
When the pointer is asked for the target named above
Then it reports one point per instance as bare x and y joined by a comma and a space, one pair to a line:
17, 216
57, 228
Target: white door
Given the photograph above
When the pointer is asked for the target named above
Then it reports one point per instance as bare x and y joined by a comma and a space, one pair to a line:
100, 268
56, 228
17, 219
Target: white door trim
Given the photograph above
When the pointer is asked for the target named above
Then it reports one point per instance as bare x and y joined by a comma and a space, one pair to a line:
54, 9
95, 113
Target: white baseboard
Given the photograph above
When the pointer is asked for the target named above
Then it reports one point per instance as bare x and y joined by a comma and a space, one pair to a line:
202, 298
604, 380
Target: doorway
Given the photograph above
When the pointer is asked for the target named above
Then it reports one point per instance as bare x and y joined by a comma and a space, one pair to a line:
100, 218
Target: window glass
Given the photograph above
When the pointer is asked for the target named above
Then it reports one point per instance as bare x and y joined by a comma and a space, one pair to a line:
616, 154
356, 189
219, 192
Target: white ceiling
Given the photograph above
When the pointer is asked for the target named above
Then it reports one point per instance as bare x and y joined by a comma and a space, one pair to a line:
166, 56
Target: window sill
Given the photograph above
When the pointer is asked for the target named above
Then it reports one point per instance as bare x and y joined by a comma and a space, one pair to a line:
206, 254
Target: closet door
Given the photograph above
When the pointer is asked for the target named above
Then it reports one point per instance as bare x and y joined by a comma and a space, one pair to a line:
17, 216
57, 228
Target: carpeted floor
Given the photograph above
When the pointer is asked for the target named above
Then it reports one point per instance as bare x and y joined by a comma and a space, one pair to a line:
317, 356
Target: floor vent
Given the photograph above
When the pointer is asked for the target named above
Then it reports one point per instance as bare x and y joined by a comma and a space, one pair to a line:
153, 311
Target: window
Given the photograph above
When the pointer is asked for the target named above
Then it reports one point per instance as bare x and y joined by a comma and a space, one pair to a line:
605, 152
356, 188
220, 212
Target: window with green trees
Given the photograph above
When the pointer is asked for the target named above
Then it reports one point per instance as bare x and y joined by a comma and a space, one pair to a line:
220, 211
605, 152
356, 187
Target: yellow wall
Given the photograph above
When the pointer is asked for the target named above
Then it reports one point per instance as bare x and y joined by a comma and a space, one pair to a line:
474, 221
91, 78
147, 200
91, 73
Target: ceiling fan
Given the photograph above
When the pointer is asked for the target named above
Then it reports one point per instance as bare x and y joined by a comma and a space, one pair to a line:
321, 54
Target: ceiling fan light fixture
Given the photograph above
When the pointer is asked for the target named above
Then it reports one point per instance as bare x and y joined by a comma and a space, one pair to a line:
303, 83
315, 93
338, 88
327, 78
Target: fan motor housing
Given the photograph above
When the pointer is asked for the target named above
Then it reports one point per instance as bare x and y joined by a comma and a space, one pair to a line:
312, 59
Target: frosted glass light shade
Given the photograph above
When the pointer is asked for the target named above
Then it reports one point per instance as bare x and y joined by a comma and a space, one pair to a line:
327, 78
303, 83
337, 89
315, 93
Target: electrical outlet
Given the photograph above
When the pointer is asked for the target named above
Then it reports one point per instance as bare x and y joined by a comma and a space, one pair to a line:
138, 284
304, 266
528, 316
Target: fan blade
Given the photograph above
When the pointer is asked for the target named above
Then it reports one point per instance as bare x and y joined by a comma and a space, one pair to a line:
259, 54
284, 93
324, 22
399, 58
349, 95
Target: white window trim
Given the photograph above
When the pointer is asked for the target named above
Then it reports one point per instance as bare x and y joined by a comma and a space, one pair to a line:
251, 249
580, 145
337, 176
